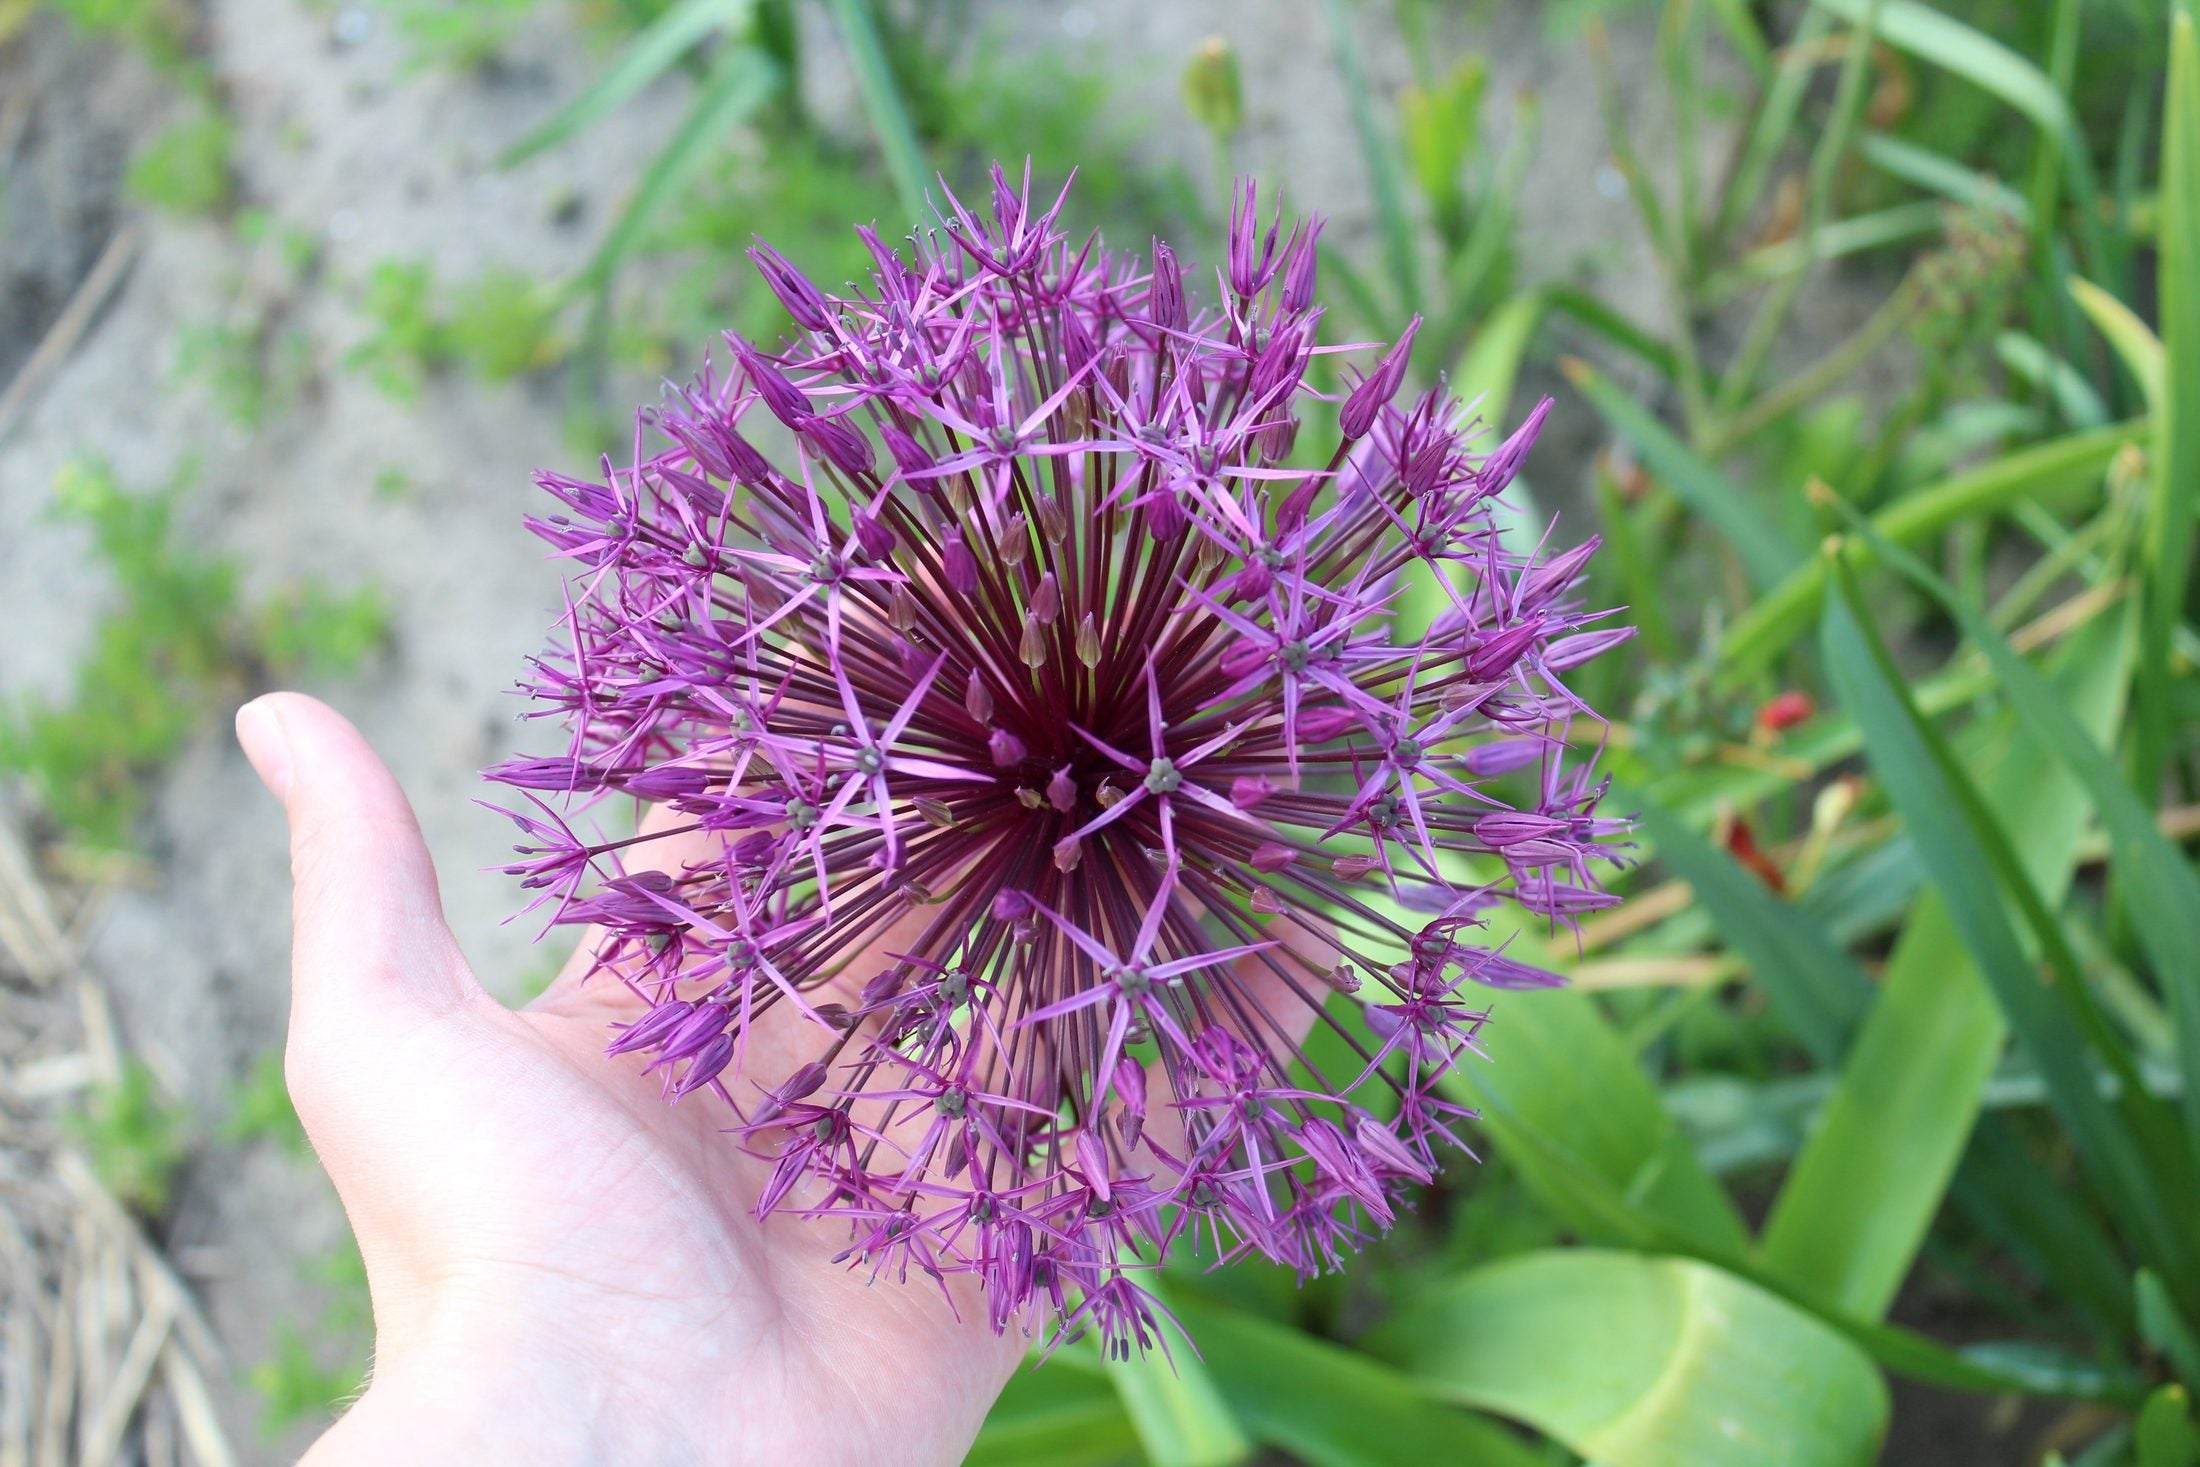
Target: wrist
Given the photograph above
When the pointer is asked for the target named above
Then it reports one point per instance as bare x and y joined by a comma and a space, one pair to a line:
502, 1398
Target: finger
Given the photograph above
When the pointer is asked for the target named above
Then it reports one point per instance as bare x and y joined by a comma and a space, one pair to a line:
369, 941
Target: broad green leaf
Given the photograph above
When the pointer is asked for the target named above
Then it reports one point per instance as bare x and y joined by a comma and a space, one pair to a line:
1968, 857
2164, 1435
2054, 474
1564, 1097
653, 51
1862, 1194
1766, 552
883, 102
1638, 1361
1058, 1416
1333, 1407
1172, 1400
1815, 988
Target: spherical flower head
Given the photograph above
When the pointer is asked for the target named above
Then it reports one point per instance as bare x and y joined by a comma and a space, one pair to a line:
1017, 656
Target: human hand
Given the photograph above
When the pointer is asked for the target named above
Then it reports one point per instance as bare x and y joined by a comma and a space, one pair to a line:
563, 1267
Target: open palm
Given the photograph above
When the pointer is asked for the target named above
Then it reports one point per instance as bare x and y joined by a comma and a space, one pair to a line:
563, 1267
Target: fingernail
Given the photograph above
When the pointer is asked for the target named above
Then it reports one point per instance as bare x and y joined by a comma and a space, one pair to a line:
260, 731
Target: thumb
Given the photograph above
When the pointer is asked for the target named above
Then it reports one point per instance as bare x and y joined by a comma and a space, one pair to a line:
369, 942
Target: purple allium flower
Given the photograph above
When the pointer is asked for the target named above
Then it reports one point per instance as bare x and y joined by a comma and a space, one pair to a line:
1058, 763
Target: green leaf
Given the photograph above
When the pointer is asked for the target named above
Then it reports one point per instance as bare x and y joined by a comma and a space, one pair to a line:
1857, 1204
1318, 1401
2163, 1327
1180, 1415
1938, 173
2166, 542
1637, 1361
1564, 1098
2164, 1434
1055, 1415
740, 84
882, 100
2155, 874
655, 49
2050, 474
1816, 990
1766, 552
2133, 340
1980, 59
1378, 155
1965, 850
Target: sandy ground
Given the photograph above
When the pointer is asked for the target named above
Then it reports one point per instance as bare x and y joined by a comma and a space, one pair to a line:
335, 138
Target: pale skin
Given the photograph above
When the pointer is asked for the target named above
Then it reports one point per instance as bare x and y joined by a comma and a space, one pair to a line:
564, 1268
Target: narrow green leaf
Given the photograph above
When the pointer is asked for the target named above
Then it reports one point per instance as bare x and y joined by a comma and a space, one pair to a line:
2053, 474
1766, 552
1379, 155
1334, 1407
1857, 1204
1599, 316
2159, 880
2175, 500
2133, 340
882, 101
1643, 1362
2163, 1326
1954, 832
654, 50
1814, 987
1940, 174
1490, 365
1179, 1412
742, 82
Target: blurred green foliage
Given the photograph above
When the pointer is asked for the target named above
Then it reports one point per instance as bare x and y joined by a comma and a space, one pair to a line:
136, 1140
175, 642
1810, 1074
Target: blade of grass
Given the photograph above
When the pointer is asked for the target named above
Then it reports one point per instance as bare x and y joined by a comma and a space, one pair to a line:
740, 84
2053, 474
1770, 318
2175, 500
1815, 989
1932, 36
1603, 320
1964, 850
1769, 130
655, 49
2133, 340
1386, 172
1860, 1199
1940, 174
1767, 553
883, 103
